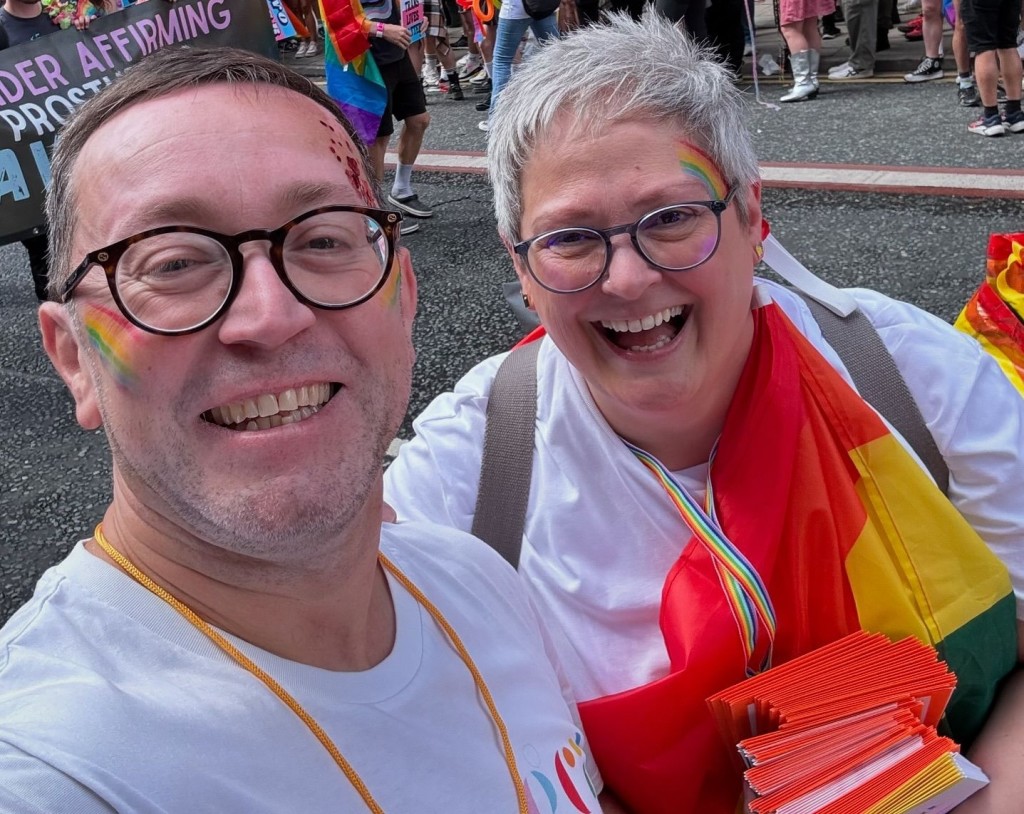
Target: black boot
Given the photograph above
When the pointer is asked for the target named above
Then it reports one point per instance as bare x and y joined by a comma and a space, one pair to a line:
485, 104
454, 87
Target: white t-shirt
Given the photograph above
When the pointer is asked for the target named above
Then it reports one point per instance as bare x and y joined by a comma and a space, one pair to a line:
513, 10
600, 536
111, 701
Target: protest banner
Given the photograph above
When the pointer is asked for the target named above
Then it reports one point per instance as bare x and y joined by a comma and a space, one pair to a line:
414, 19
43, 80
283, 27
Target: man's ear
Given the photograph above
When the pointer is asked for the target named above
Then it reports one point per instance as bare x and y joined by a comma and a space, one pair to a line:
68, 355
408, 291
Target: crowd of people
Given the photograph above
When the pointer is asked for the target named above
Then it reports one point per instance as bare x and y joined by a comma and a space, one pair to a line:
265, 621
987, 45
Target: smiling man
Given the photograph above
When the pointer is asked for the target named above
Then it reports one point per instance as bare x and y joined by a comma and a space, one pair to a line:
241, 632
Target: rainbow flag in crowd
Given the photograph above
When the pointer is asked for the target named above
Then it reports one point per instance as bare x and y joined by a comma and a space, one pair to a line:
846, 531
353, 79
995, 314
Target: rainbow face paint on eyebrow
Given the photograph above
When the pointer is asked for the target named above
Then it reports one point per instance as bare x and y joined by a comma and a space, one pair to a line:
112, 337
698, 164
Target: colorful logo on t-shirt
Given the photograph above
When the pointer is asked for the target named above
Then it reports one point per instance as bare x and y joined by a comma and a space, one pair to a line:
568, 779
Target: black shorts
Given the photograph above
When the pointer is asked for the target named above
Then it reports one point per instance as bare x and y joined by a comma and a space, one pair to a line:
405, 94
990, 24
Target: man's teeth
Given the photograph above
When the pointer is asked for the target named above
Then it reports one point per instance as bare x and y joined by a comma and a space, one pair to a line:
644, 324
270, 410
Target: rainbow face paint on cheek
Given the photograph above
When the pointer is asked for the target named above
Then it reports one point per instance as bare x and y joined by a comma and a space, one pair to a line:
392, 287
698, 165
114, 338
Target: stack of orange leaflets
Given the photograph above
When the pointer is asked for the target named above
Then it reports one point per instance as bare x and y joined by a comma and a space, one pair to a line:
849, 729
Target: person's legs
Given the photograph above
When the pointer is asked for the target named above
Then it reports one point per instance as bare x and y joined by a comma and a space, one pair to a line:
930, 66
725, 32
793, 34
38, 263
588, 11
469, 30
506, 43
410, 107
804, 43
829, 29
309, 20
961, 53
986, 74
377, 151
305, 44
690, 12
990, 30
931, 11
1010, 66
812, 34
416, 55
545, 29
389, 75
1012, 70
634, 8
966, 90
447, 59
883, 24
862, 25
409, 142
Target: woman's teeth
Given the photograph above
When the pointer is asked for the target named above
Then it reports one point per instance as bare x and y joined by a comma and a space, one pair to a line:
643, 324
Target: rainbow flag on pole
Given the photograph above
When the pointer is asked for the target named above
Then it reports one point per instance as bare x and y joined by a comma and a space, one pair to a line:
995, 314
353, 79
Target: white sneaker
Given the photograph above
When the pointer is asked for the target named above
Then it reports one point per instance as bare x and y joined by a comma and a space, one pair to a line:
469, 65
847, 71
484, 125
303, 48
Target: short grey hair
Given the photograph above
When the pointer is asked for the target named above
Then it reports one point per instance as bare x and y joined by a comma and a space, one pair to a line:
165, 71
625, 70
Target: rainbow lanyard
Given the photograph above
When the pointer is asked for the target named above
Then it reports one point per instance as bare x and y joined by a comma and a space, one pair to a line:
748, 598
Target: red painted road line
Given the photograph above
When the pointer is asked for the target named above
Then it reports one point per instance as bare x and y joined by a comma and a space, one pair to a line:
940, 181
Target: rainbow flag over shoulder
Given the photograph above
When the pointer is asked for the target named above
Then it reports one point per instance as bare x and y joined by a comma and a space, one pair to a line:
995, 314
353, 79
847, 532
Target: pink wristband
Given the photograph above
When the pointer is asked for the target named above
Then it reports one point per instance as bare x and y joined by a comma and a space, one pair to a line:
380, 30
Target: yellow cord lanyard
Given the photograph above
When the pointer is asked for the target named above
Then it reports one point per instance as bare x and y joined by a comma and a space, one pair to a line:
296, 707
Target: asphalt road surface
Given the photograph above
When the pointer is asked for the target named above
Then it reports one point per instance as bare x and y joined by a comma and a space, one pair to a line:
926, 249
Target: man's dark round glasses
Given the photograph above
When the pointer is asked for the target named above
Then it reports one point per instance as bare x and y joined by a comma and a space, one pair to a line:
672, 238
178, 279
